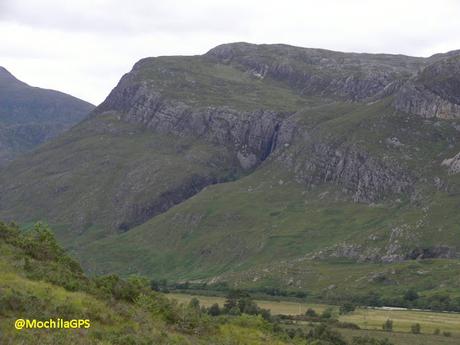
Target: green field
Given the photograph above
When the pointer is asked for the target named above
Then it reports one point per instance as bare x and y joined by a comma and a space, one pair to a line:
369, 320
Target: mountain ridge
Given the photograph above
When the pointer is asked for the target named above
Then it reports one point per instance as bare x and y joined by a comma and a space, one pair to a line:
194, 167
30, 115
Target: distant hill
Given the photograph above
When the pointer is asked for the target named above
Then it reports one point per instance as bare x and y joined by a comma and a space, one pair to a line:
259, 163
30, 116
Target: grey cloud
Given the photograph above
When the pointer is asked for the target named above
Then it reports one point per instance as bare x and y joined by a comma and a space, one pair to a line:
128, 17
86, 45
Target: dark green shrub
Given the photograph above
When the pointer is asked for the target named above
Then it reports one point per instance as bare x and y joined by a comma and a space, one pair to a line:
415, 328
324, 333
311, 313
388, 325
214, 310
347, 308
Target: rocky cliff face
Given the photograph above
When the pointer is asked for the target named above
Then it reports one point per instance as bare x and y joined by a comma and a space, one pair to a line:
253, 136
434, 92
452, 164
366, 178
250, 134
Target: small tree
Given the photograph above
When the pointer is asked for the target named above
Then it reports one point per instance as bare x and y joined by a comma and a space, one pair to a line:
234, 311
248, 306
327, 313
311, 313
236, 299
194, 304
347, 308
388, 325
266, 314
214, 310
437, 331
324, 334
415, 328
411, 295
154, 285
232, 299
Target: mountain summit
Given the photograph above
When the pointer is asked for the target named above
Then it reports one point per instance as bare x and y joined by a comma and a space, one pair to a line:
29, 116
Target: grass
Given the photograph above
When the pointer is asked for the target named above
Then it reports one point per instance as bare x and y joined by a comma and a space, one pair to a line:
276, 307
404, 319
97, 167
367, 319
201, 82
399, 338
145, 318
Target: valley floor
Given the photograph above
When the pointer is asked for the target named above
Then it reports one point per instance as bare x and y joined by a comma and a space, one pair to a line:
370, 320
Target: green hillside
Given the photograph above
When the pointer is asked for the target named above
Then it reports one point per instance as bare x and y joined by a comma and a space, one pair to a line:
30, 116
260, 165
38, 281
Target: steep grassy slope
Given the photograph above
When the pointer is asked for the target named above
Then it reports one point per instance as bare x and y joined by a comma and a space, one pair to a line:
39, 282
251, 156
113, 174
29, 115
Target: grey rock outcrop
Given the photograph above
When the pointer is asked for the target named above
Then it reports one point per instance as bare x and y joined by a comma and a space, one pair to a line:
434, 92
365, 177
418, 100
252, 135
453, 164
255, 135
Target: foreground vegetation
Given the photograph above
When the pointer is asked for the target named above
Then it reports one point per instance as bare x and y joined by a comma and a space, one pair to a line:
39, 281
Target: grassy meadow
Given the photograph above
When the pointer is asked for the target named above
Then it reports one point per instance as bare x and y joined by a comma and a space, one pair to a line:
369, 320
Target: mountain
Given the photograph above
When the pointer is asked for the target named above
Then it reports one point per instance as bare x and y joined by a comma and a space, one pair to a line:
260, 165
30, 116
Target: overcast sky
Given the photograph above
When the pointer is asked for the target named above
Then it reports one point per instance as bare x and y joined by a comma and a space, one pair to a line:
83, 47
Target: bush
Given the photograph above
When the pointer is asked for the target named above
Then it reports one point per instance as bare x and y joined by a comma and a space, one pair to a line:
388, 325
159, 306
415, 328
266, 314
240, 302
194, 304
233, 299
9, 233
311, 313
349, 325
347, 308
234, 311
327, 313
369, 341
40, 244
214, 310
324, 333
128, 290
411, 295
446, 334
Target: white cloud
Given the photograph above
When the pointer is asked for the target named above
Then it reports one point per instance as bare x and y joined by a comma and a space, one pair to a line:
83, 47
